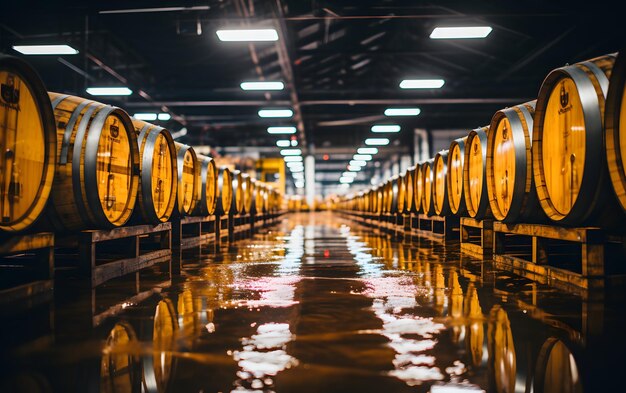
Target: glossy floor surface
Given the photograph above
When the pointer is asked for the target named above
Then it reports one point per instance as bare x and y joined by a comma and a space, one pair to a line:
317, 304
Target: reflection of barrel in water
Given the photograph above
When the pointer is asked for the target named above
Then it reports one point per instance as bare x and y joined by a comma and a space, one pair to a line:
120, 369
160, 365
502, 358
556, 369
475, 332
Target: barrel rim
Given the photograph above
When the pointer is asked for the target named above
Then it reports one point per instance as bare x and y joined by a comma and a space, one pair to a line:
445, 208
483, 209
42, 100
461, 143
180, 155
224, 176
427, 208
612, 112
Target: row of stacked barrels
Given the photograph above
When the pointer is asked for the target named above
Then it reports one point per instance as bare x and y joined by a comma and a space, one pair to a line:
68, 163
553, 159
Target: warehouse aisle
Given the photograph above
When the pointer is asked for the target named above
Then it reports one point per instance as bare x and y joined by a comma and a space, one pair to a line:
320, 305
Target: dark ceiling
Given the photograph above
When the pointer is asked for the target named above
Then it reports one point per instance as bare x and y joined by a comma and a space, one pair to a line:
341, 61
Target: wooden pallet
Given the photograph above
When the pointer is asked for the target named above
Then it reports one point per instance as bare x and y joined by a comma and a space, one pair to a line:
27, 263
139, 246
192, 233
476, 237
222, 232
241, 226
572, 259
435, 227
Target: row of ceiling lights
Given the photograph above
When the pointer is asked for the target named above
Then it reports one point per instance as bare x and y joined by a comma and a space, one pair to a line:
293, 157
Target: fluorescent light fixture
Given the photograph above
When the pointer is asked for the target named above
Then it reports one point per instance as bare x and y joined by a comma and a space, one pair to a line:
293, 159
295, 170
156, 9
145, 116
290, 152
367, 150
281, 130
298, 175
164, 116
460, 32
262, 85
353, 168
247, 35
299, 184
275, 113
346, 180
295, 164
386, 128
109, 91
422, 83
348, 174
358, 163
402, 111
294, 142
45, 49
377, 141
283, 143
362, 157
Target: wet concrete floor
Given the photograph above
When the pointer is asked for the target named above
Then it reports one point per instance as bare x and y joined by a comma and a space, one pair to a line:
317, 304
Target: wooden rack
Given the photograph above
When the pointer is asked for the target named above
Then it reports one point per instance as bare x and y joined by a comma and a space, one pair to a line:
476, 237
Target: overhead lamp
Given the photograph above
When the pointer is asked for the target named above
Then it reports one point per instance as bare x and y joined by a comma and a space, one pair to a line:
281, 130
377, 141
262, 85
109, 91
353, 168
362, 157
299, 184
247, 35
45, 49
295, 165
275, 113
290, 152
283, 143
348, 174
298, 175
358, 162
294, 142
298, 169
421, 83
346, 180
293, 159
164, 116
460, 32
386, 128
402, 111
367, 150
145, 116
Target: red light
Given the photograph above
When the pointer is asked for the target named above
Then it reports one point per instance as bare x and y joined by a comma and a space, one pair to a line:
326, 253
326, 157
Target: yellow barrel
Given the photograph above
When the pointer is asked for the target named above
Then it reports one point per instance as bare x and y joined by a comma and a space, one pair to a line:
501, 348
207, 187
387, 196
246, 184
397, 194
225, 191
97, 176
28, 145
408, 189
159, 364
440, 190
258, 196
456, 161
510, 185
557, 369
418, 188
188, 179
615, 124
159, 177
569, 166
427, 187
120, 368
377, 200
474, 174
238, 198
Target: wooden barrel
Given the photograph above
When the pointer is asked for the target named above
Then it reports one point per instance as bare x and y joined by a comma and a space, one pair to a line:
408, 189
387, 196
225, 191
510, 185
454, 182
247, 193
474, 174
156, 196
569, 166
238, 199
161, 329
207, 187
258, 197
427, 187
28, 145
188, 183
615, 125
440, 178
377, 200
97, 175
418, 188
397, 194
